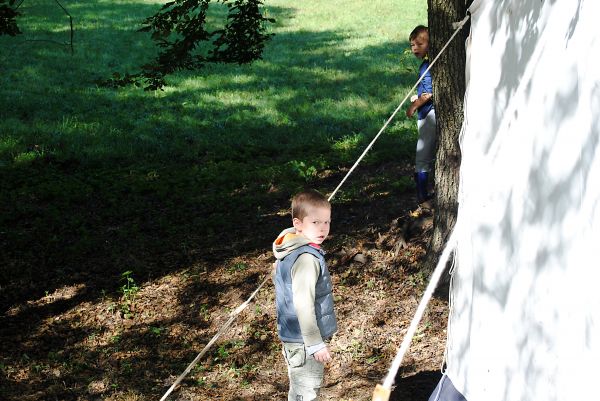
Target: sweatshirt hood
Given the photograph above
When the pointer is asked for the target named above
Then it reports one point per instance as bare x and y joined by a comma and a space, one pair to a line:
288, 241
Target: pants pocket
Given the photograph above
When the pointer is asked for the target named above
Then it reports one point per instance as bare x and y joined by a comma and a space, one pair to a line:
295, 354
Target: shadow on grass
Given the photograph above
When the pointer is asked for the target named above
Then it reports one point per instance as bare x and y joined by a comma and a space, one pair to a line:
160, 184
96, 183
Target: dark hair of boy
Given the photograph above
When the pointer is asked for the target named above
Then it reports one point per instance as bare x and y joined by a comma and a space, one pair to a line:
417, 31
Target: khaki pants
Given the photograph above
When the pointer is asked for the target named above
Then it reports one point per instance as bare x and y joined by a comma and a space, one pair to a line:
305, 373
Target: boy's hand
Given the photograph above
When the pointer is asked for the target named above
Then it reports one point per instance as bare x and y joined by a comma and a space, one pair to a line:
411, 110
425, 97
323, 355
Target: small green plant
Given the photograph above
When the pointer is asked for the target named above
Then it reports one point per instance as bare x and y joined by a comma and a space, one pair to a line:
355, 348
126, 368
408, 61
259, 332
303, 170
111, 307
373, 359
7, 370
222, 352
157, 331
39, 367
418, 279
129, 291
348, 143
204, 312
237, 267
224, 349
245, 372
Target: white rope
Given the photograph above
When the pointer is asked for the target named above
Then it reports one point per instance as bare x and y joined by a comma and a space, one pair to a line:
243, 306
460, 25
222, 330
436, 275
433, 282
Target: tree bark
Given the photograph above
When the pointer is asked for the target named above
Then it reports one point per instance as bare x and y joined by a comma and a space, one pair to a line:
448, 76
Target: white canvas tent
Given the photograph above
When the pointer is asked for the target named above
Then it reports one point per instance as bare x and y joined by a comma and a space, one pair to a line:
525, 311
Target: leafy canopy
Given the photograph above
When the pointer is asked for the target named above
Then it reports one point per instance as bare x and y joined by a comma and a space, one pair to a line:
179, 28
8, 18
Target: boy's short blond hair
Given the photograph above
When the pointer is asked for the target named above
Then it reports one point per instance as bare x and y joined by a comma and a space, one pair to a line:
302, 201
419, 29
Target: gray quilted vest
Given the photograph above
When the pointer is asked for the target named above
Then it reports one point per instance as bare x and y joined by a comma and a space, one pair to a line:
288, 327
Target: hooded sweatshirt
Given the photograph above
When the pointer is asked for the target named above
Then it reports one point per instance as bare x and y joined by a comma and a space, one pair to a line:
305, 273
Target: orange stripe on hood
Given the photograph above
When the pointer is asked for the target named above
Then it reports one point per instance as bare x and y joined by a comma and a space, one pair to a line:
285, 237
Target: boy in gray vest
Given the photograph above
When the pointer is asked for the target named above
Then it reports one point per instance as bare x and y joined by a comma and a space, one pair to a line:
303, 294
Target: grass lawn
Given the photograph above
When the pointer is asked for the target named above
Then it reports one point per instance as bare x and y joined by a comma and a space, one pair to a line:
95, 182
89, 174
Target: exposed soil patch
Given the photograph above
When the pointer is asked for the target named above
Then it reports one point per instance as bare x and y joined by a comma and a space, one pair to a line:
80, 343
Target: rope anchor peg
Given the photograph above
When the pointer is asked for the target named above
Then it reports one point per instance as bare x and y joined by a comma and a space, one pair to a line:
381, 393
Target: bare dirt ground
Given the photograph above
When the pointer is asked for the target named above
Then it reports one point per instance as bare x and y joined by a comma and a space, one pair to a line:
78, 343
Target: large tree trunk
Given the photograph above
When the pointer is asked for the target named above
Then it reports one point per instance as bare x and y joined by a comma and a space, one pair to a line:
448, 90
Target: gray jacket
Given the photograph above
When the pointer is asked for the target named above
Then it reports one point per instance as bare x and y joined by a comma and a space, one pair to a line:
288, 326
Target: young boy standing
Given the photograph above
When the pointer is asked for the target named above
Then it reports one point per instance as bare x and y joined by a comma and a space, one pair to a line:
423, 104
303, 294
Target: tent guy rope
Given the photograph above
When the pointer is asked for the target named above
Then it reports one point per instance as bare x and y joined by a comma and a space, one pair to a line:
239, 309
383, 391
222, 330
364, 153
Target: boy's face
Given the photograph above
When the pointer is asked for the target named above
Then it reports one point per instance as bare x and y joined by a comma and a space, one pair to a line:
315, 225
420, 45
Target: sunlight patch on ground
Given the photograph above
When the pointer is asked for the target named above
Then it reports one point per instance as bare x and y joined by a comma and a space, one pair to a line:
61, 294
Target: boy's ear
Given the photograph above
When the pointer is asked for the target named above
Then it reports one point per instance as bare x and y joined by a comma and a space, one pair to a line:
297, 223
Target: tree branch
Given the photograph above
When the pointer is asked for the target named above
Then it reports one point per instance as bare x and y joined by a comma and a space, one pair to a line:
178, 28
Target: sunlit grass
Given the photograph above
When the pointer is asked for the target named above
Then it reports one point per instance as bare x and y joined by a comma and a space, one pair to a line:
95, 182
333, 68
329, 78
